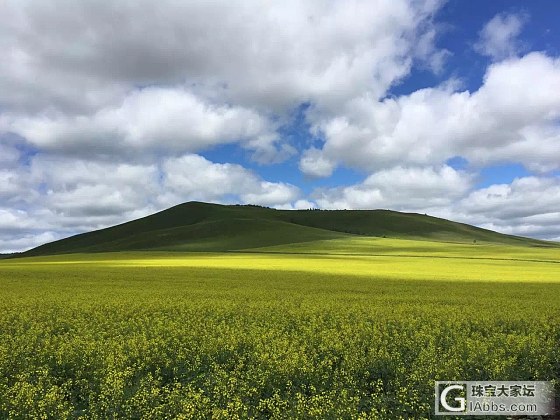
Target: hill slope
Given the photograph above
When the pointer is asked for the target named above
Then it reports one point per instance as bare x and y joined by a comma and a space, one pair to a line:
198, 226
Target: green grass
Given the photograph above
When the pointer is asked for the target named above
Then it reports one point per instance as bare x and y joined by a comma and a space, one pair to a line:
339, 328
210, 227
364, 246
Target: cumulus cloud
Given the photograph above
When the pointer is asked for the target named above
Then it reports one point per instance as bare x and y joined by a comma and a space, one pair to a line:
506, 119
23, 241
528, 197
193, 177
153, 119
273, 56
315, 164
498, 38
19, 230
298, 205
14, 220
401, 188
10, 185
78, 190
97, 78
527, 206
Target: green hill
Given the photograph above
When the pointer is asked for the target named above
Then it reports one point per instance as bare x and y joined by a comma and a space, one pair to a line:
196, 226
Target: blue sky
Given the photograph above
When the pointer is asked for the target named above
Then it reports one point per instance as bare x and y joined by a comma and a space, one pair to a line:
111, 111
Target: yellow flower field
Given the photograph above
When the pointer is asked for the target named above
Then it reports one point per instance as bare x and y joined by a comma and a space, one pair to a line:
270, 334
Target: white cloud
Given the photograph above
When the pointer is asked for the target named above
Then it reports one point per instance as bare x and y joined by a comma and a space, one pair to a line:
298, 205
399, 188
314, 163
78, 189
153, 119
193, 177
527, 206
11, 186
11, 219
507, 119
498, 37
82, 194
66, 196
526, 197
215, 87
23, 241
274, 56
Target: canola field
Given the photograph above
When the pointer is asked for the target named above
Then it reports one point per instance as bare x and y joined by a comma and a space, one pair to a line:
356, 329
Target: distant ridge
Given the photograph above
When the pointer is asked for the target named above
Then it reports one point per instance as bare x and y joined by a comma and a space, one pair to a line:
196, 226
